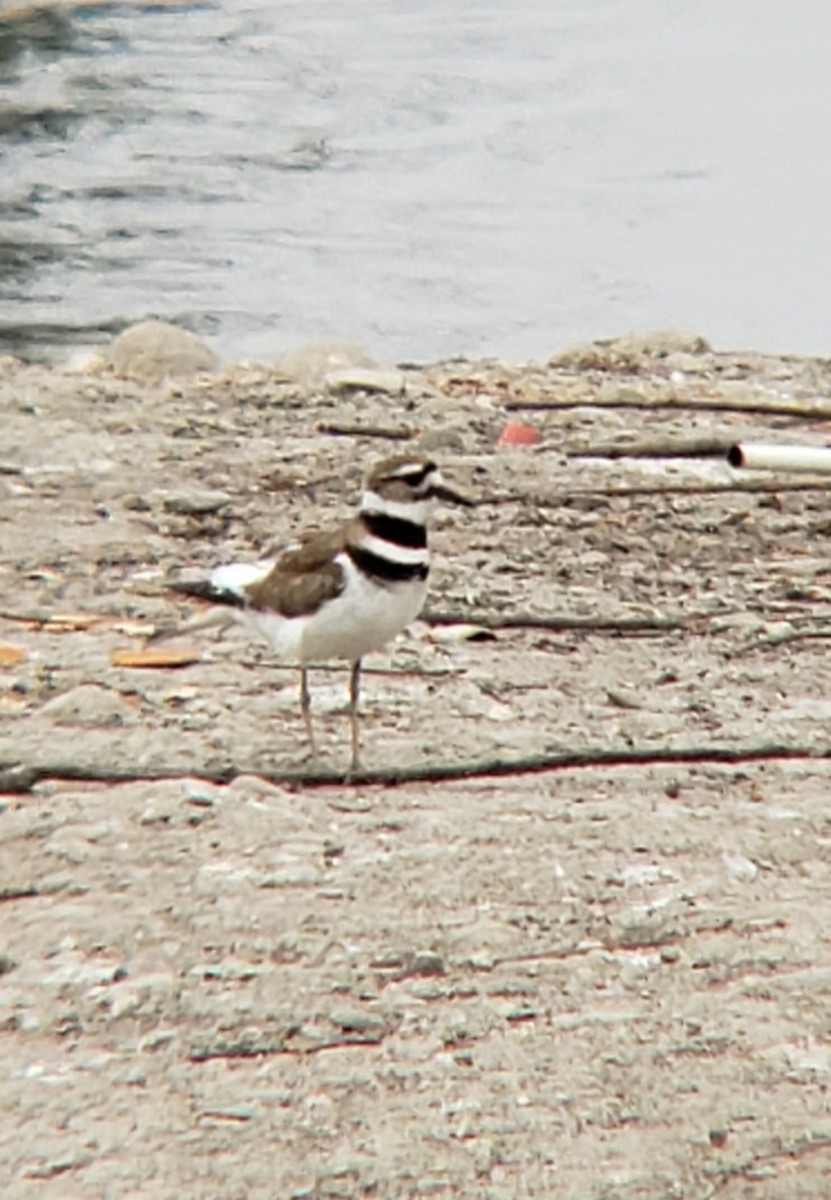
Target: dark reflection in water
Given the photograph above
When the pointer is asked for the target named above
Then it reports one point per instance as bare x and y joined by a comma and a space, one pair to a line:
44, 31
18, 257
32, 44
23, 124
39, 342
424, 179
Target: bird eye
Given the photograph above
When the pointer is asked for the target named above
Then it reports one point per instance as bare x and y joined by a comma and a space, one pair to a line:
415, 475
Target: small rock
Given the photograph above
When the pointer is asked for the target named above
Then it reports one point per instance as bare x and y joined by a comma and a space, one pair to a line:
684, 362
157, 349
427, 962
628, 351
429, 989
309, 365
307, 154
622, 699
366, 379
357, 1020
661, 342
9, 365
522, 1012
442, 437
89, 704
653, 929
159, 812
136, 503
195, 503
51, 1168
125, 1003
156, 1039
294, 876
739, 866
231, 1112
201, 795
17, 777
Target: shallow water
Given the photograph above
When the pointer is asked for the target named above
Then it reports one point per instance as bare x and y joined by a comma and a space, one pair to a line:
423, 180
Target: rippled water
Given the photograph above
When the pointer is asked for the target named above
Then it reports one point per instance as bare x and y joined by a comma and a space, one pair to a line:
423, 178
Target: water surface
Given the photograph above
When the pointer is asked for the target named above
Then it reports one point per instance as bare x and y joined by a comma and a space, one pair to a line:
424, 179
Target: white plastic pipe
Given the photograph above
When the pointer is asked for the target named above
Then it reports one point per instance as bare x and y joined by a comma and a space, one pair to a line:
756, 456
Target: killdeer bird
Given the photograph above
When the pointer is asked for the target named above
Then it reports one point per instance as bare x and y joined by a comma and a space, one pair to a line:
342, 593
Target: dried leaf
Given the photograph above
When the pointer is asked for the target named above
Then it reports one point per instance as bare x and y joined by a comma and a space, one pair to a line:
68, 622
154, 658
10, 656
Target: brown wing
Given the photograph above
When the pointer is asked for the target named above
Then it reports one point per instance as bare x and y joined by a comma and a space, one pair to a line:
302, 579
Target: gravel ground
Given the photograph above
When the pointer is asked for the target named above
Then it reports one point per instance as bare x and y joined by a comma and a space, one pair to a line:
566, 936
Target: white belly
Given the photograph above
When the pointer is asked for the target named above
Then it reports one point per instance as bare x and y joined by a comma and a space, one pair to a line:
363, 618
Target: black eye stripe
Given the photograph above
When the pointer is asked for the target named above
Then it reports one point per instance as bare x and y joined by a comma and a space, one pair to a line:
417, 475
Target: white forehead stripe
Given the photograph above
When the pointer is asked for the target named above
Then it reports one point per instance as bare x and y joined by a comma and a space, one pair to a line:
406, 470
416, 510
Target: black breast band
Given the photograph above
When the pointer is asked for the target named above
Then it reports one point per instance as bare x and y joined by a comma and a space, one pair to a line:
386, 570
396, 530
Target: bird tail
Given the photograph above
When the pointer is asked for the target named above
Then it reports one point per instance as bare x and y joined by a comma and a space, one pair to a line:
208, 589
220, 615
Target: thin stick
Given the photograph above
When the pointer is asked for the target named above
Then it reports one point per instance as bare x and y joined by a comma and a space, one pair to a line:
22, 777
563, 499
495, 620
780, 639
488, 621
701, 447
807, 412
337, 429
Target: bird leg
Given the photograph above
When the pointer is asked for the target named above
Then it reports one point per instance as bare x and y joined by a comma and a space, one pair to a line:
306, 710
354, 691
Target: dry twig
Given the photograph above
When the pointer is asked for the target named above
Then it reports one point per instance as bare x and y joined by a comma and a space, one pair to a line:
563, 622
802, 412
396, 434
623, 491
23, 777
668, 447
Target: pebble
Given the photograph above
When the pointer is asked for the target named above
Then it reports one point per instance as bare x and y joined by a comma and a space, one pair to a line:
155, 350
157, 1039
357, 1020
160, 811
366, 379
427, 962
308, 365
195, 503
442, 437
89, 704
290, 877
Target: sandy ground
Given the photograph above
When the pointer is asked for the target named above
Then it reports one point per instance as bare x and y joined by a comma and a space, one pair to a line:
224, 974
